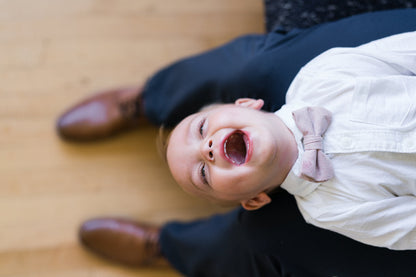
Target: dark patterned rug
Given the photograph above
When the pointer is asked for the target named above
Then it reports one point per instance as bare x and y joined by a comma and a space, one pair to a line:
289, 14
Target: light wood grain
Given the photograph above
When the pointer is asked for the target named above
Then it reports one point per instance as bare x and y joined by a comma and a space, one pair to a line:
55, 52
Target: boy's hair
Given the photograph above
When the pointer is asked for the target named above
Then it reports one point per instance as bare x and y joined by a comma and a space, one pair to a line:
162, 142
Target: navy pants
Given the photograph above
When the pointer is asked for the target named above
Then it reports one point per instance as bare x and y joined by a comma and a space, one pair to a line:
275, 240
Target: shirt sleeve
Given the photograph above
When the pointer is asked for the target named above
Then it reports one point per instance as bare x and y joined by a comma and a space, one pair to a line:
398, 50
365, 78
389, 222
393, 55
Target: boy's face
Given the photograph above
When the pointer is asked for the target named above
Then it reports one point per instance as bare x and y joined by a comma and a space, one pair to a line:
226, 152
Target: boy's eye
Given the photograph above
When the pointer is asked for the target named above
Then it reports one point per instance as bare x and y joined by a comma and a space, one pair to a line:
203, 174
201, 127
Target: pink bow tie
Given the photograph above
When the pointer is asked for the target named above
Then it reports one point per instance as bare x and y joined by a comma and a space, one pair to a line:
313, 122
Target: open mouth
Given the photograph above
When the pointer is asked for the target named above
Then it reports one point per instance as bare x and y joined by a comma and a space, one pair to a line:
236, 147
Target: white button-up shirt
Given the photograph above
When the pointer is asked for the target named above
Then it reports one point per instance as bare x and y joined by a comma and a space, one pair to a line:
371, 142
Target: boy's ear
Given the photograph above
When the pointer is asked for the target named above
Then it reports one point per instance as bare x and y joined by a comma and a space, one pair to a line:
250, 103
256, 202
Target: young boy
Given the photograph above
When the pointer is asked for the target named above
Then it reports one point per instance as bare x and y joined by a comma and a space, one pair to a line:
344, 145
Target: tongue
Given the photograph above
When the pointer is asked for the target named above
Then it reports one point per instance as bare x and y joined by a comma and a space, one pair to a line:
235, 148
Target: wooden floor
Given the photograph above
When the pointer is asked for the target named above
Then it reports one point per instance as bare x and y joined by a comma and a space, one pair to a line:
55, 52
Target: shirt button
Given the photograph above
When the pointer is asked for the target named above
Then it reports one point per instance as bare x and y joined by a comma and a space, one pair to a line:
346, 142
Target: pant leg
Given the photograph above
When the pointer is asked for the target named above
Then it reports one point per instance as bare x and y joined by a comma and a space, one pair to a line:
205, 253
266, 242
275, 241
259, 66
185, 86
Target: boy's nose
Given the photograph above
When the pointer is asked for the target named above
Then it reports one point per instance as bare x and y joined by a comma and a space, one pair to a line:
207, 150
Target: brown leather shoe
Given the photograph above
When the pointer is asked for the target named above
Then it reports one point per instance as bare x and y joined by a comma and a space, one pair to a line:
122, 240
102, 115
